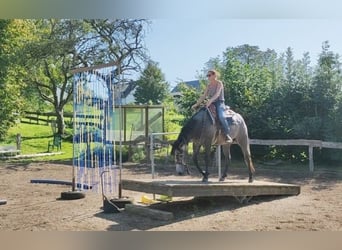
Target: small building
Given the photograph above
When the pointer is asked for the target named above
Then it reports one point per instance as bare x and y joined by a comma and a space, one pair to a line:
175, 92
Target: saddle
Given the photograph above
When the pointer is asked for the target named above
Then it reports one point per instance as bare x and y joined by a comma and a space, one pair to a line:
228, 114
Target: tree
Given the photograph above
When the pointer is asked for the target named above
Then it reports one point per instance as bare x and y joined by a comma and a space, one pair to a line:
6, 108
289, 102
62, 45
151, 86
248, 79
189, 96
326, 88
11, 33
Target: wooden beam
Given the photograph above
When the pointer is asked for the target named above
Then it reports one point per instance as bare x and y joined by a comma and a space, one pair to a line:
300, 142
337, 145
146, 211
190, 187
287, 142
99, 66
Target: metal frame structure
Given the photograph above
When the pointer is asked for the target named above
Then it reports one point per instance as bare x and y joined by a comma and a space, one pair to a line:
95, 117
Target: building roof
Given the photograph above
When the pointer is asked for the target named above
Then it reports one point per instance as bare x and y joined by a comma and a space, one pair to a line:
194, 84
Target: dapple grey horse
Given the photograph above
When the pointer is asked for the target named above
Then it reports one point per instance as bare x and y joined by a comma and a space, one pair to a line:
203, 130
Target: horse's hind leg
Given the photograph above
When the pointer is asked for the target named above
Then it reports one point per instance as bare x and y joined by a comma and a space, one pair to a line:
248, 160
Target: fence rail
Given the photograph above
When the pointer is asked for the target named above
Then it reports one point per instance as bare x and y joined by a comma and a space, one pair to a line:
299, 142
44, 117
271, 142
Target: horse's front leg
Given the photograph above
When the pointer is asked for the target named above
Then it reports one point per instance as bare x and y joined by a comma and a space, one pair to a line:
207, 159
196, 149
227, 159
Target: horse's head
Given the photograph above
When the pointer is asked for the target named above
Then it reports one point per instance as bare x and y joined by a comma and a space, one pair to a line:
178, 149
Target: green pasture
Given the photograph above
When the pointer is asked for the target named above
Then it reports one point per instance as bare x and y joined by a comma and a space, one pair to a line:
35, 139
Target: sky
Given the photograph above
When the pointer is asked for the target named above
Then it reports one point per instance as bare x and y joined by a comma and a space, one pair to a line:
183, 46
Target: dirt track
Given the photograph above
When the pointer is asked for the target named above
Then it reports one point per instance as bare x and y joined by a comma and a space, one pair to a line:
36, 207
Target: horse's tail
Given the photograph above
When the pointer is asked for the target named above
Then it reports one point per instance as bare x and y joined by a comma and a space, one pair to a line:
247, 154
244, 142
249, 158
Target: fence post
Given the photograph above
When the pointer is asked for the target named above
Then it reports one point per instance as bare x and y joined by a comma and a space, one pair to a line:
311, 161
18, 141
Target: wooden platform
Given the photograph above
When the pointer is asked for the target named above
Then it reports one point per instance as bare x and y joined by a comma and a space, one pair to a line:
191, 187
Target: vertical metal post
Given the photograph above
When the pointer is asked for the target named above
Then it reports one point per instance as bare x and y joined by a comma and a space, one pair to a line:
120, 135
124, 123
152, 160
152, 155
218, 160
146, 130
75, 102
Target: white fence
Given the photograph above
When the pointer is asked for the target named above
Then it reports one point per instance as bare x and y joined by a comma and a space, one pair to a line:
284, 142
299, 142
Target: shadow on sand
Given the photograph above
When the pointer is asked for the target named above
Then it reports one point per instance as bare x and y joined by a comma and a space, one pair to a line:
182, 211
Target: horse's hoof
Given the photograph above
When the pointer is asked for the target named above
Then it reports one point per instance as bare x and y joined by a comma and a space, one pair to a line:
250, 180
223, 177
205, 180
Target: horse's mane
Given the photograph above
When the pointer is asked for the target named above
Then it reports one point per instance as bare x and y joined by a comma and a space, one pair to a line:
183, 137
189, 126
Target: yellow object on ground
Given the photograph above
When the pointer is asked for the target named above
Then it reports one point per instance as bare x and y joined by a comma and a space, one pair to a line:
146, 200
165, 198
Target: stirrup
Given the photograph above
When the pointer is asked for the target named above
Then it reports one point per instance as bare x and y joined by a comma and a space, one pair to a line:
228, 139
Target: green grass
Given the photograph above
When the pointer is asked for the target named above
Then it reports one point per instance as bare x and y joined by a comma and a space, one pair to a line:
35, 139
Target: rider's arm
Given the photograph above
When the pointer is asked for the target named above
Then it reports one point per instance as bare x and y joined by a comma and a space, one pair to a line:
201, 98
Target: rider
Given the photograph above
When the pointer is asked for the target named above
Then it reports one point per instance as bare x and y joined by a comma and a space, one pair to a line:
215, 92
